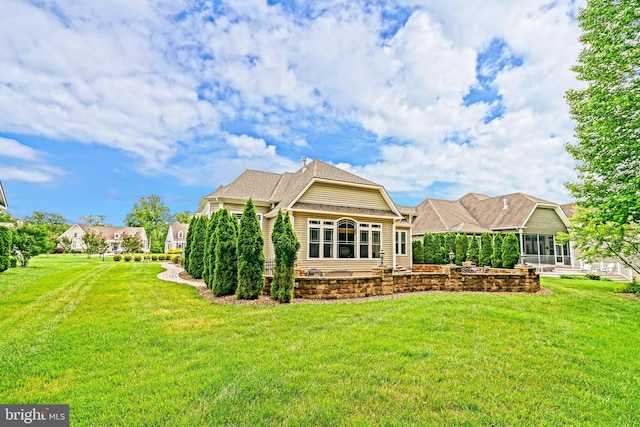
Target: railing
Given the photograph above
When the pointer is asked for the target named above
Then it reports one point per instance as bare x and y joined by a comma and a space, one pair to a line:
268, 267
605, 267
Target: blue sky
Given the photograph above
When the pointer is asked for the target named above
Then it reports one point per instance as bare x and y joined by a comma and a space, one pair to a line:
102, 103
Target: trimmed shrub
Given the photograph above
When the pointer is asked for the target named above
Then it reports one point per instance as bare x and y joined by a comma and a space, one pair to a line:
127, 257
417, 252
250, 254
177, 259
496, 256
196, 256
137, 258
286, 250
5, 248
188, 244
117, 257
510, 251
486, 249
438, 244
462, 247
449, 246
429, 249
210, 250
474, 250
225, 273
592, 276
13, 262
174, 251
632, 288
154, 257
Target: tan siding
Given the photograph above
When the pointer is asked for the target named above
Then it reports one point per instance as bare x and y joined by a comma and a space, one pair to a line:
358, 266
267, 228
544, 221
340, 195
405, 260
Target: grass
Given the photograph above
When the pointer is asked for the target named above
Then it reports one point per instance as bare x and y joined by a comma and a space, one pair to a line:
124, 348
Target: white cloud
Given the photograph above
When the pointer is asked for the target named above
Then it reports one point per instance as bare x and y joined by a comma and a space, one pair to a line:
12, 148
166, 81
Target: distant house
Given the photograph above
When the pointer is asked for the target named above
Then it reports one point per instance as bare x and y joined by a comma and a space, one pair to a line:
113, 236
535, 221
3, 199
343, 221
176, 236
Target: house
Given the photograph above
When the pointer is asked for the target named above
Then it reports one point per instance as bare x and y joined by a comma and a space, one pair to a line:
343, 221
113, 236
3, 199
176, 236
535, 221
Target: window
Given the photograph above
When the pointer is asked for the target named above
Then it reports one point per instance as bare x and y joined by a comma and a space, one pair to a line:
401, 242
116, 236
343, 239
180, 234
346, 238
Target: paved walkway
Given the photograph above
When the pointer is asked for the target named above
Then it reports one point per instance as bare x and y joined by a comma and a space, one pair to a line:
172, 274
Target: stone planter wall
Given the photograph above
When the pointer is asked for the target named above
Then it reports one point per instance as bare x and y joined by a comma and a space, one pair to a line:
448, 278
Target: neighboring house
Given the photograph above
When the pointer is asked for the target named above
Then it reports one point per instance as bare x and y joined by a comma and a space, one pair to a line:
176, 236
535, 221
3, 199
342, 221
113, 235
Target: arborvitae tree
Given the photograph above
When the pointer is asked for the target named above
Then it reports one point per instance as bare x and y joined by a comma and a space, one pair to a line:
439, 245
474, 250
486, 249
225, 273
418, 252
450, 245
428, 248
462, 247
278, 228
5, 248
496, 257
287, 246
188, 244
209, 250
196, 261
250, 254
510, 250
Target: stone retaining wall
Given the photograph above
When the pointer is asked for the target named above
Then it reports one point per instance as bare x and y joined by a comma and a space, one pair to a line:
384, 282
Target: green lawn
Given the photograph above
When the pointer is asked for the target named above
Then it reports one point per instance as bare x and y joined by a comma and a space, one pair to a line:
124, 348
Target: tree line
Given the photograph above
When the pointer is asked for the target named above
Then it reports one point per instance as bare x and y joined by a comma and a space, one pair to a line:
229, 255
495, 251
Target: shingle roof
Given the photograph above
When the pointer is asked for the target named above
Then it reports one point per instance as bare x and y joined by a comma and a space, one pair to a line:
177, 227
109, 231
475, 213
282, 189
437, 216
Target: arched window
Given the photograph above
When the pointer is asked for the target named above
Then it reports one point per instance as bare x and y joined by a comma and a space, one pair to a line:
180, 234
346, 238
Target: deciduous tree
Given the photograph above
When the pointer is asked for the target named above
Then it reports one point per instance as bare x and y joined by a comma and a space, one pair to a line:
607, 116
29, 241
152, 214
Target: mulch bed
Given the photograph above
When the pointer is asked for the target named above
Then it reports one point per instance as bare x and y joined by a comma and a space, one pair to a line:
265, 300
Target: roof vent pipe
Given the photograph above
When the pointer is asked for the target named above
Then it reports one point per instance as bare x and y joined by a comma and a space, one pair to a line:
304, 163
505, 204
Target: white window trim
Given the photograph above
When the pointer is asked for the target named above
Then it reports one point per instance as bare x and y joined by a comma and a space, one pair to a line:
323, 224
398, 242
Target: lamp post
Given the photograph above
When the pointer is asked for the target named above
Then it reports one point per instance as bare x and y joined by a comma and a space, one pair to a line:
382, 258
451, 255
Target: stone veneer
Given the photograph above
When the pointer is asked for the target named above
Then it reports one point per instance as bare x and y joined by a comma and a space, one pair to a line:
522, 278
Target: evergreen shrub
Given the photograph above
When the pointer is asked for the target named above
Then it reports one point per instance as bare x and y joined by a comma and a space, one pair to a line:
117, 257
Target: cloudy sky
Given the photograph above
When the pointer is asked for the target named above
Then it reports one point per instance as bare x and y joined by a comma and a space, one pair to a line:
104, 102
